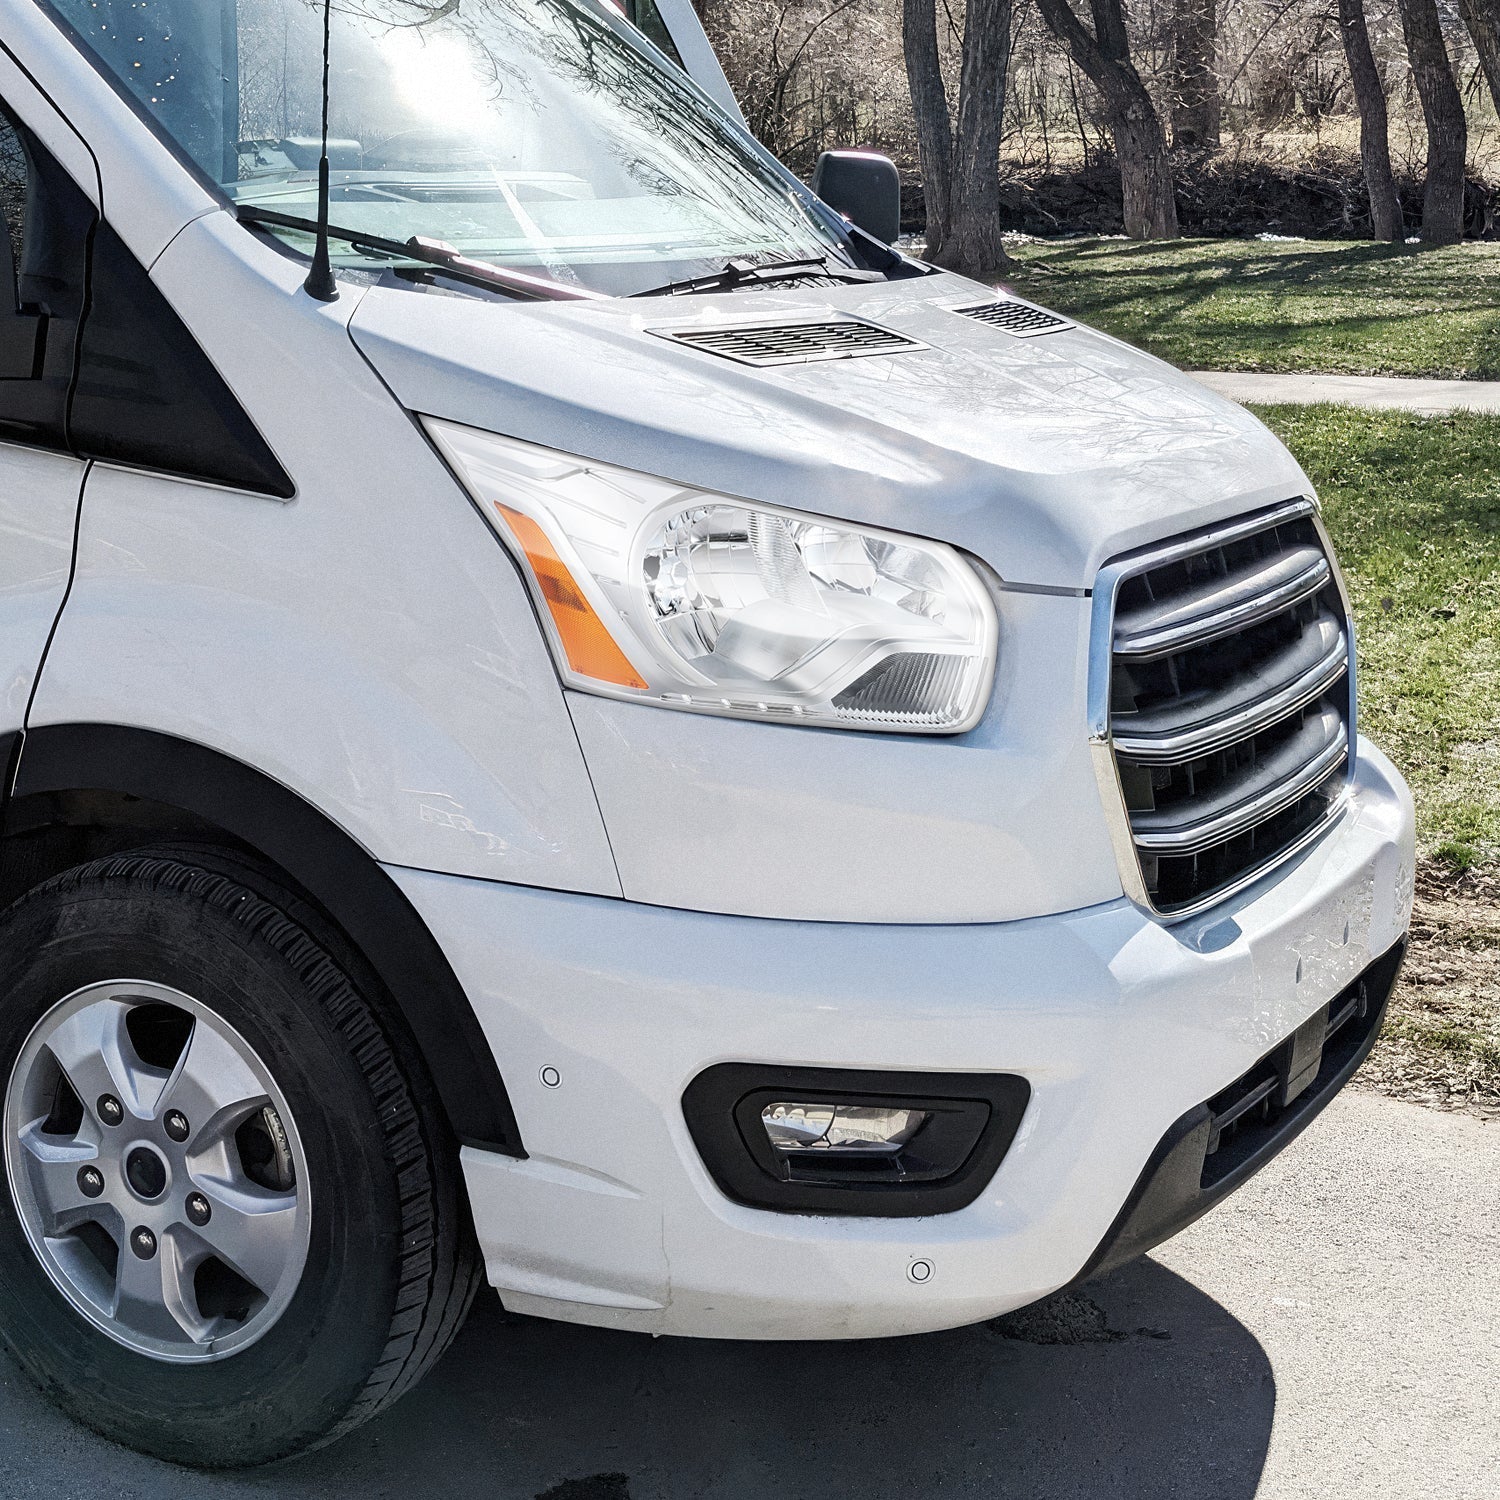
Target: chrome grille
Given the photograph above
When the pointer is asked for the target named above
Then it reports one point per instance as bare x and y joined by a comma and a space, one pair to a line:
1019, 318
792, 343
1222, 703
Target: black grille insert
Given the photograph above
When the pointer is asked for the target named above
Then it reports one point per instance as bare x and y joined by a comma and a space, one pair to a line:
1247, 1113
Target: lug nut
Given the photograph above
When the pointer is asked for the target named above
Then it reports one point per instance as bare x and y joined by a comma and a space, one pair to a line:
90, 1181
111, 1111
176, 1125
198, 1210
143, 1242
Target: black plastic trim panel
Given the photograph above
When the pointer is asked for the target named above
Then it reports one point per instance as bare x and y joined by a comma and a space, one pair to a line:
1183, 1179
10, 746
977, 1114
343, 878
147, 395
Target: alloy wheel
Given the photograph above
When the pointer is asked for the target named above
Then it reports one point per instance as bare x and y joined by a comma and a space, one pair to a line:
157, 1171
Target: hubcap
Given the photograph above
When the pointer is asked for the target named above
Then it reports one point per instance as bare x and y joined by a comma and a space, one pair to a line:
157, 1171
146, 1173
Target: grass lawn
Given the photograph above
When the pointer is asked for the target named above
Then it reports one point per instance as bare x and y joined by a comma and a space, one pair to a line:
1414, 507
1340, 308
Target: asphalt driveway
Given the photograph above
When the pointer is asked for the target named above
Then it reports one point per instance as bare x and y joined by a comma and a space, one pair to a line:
1332, 1331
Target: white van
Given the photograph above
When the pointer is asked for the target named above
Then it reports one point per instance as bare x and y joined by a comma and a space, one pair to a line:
632, 741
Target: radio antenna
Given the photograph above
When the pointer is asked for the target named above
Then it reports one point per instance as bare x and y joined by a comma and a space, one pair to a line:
320, 282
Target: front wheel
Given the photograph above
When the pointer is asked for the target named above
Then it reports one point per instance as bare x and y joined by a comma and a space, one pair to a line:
233, 1226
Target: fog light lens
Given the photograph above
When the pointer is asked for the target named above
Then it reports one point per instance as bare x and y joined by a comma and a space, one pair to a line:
866, 1128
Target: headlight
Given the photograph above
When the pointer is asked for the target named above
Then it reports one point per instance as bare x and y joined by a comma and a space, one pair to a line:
662, 594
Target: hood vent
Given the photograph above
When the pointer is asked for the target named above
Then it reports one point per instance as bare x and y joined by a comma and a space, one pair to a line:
1018, 318
792, 343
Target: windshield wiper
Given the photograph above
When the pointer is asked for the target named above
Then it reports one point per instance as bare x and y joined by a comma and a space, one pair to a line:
740, 273
438, 254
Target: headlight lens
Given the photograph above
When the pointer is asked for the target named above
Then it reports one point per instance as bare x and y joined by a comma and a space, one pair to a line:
668, 595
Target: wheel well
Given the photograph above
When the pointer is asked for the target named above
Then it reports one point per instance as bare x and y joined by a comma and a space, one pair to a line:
82, 791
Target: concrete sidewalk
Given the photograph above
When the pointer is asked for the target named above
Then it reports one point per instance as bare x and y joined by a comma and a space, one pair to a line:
1332, 1331
1429, 397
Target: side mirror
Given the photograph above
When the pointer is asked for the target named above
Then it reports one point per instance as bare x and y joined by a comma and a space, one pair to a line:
863, 186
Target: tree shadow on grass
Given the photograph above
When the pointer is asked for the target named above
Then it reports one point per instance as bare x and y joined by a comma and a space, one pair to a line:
1338, 270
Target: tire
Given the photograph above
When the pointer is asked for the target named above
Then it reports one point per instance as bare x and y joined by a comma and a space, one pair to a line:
372, 1260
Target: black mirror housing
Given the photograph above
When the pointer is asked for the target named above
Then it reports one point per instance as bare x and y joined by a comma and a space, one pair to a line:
863, 186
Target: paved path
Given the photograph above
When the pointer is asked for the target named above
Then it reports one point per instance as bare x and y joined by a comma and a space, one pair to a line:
1426, 396
1333, 1331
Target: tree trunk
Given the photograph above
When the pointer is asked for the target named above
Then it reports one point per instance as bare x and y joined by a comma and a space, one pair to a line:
974, 245
1374, 134
960, 163
1482, 17
1195, 83
929, 102
1447, 132
1140, 145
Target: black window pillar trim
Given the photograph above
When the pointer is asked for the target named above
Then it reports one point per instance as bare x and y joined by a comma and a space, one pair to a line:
328, 864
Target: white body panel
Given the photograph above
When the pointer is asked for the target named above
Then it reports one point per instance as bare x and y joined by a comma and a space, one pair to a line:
38, 506
1003, 822
697, 54
1120, 1025
367, 644
1044, 456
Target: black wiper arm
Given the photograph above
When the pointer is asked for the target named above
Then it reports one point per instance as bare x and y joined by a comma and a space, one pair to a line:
438, 254
757, 273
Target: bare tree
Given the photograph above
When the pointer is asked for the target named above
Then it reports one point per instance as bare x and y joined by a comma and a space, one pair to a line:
1140, 145
929, 102
1374, 129
961, 159
1447, 131
1195, 81
1482, 17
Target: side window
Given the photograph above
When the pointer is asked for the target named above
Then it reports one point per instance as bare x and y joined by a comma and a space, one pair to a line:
13, 192
644, 16
43, 259
142, 391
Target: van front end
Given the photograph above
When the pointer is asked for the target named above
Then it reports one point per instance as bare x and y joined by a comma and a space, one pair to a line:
572, 717
835, 1127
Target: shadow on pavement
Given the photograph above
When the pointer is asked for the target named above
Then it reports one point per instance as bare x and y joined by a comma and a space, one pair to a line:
1138, 1386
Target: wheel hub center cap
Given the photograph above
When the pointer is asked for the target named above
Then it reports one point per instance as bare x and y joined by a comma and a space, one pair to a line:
146, 1173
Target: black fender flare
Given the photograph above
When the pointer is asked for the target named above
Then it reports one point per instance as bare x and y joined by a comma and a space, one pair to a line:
342, 877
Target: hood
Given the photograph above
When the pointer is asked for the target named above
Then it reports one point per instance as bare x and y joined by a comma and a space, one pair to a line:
1043, 455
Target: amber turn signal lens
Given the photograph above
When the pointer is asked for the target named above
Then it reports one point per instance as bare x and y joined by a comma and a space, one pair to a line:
590, 648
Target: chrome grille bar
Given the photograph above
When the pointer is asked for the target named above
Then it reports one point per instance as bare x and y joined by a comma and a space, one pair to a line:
1229, 607
1193, 838
1228, 727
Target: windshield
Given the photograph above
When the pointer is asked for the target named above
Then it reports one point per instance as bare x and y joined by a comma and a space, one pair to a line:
531, 133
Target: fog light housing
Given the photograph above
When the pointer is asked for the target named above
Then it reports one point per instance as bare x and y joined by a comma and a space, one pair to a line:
824, 1140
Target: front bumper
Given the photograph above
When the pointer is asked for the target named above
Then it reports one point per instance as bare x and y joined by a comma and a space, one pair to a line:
602, 1012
